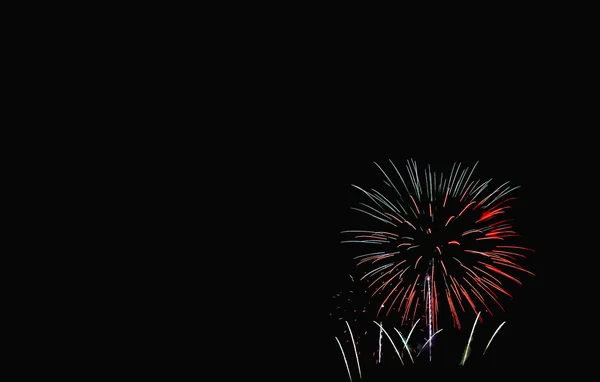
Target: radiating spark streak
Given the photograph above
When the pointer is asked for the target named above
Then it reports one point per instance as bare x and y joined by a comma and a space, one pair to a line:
487, 290
493, 192
477, 252
448, 189
471, 231
359, 231
364, 241
405, 293
376, 258
415, 203
415, 311
425, 344
488, 282
414, 246
503, 254
450, 218
426, 183
481, 188
454, 242
471, 173
394, 300
412, 178
514, 266
386, 273
405, 345
376, 269
372, 237
464, 209
493, 335
430, 184
392, 183
469, 300
443, 266
388, 296
503, 274
355, 352
501, 195
469, 342
368, 254
474, 187
394, 217
482, 271
376, 217
418, 261
418, 182
389, 204
372, 208
439, 250
465, 193
415, 177
390, 338
365, 192
479, 296
455, 175
401, 178
345, 361
457, 188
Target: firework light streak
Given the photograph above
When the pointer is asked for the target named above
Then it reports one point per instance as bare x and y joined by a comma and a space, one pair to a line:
393, 344
424, 345
345, 361
429, 326
355, 352
380, 334
469, 342
411, 330
468, 242
405, 345
493, 335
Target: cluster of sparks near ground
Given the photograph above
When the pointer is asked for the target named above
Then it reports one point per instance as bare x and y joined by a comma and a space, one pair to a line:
467, 269
405, 346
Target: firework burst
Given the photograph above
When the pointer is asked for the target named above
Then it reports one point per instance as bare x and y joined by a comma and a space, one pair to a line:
445, 244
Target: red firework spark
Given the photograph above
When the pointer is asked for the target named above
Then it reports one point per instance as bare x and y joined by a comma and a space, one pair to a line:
443, 239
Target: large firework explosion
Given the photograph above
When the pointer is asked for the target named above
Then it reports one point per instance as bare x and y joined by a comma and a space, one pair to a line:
443, 244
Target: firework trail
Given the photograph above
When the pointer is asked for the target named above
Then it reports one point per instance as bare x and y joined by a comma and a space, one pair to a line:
380, 333
424, 345
429, 323
493, 335
445, 239
355, 352
467, 350
405, 344
345, 361
393, 344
